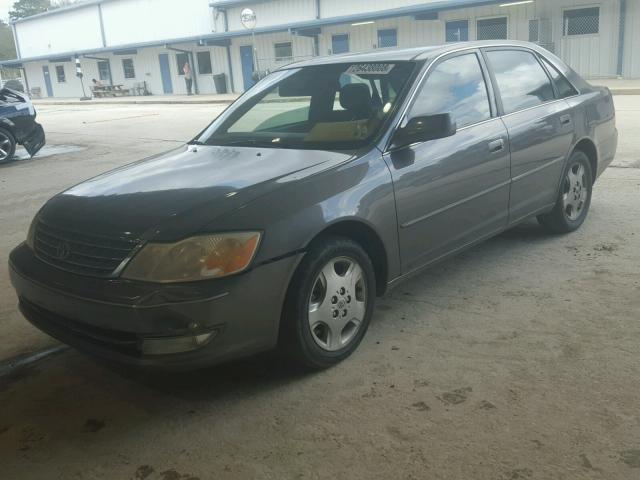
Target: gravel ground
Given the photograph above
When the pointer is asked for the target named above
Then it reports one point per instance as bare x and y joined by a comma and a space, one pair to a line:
518, 359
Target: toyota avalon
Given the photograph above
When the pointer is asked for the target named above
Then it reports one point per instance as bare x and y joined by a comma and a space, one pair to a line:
323, 185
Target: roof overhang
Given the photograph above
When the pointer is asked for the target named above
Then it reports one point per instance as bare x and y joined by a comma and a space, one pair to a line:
58, 11
420, 11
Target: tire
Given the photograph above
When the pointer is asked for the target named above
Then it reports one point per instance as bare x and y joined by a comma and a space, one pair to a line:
329, 303
574, 197
7, 145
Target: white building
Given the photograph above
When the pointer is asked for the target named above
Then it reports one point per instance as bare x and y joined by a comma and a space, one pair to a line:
129, 42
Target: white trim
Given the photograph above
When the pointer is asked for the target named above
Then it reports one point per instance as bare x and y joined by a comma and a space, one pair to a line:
581, 7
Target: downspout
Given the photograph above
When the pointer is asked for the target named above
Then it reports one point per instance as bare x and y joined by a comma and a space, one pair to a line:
233, 90
26, 80
229, 62
317, 9
15, 40
104, 37
621, 36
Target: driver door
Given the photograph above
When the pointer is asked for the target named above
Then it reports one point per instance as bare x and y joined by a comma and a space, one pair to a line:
452, 191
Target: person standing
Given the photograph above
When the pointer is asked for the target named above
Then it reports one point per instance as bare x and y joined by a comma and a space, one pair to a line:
186, 69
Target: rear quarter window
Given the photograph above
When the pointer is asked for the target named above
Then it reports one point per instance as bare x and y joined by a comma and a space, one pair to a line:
564, 87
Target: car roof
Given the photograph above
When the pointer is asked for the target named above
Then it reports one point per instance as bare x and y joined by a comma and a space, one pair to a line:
407, 54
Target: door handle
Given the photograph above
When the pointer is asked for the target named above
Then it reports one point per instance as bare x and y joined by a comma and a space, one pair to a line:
565, 119
496, 145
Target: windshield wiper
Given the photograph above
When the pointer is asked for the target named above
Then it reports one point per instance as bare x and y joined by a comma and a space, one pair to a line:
247, 142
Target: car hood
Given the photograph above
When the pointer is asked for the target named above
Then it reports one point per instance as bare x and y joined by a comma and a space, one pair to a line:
173, 195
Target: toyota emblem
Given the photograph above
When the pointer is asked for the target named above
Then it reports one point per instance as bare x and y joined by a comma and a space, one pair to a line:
63, 250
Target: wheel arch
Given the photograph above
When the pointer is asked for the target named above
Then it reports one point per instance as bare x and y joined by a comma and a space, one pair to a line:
367, 237
588, 147
8, 125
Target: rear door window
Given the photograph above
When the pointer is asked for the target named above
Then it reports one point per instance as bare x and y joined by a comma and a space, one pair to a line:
455, 86
521, 80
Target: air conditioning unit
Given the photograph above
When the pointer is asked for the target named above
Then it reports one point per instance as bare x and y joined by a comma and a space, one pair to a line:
541, 32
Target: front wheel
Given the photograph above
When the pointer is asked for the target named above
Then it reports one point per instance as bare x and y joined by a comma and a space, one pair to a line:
7, 145
574, 198
329, 303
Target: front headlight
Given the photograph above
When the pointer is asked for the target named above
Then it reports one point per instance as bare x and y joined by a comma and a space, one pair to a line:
197, 258
31, 234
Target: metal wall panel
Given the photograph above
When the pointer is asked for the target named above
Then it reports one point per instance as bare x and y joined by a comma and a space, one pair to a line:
334, 8
632, 40
135, 21
274, 13
593, 55
60, 33
146, 65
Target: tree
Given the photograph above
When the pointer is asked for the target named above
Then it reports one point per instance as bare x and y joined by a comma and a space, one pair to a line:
7, 48
26, 8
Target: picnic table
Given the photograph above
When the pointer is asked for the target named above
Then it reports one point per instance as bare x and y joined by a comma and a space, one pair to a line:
101, 91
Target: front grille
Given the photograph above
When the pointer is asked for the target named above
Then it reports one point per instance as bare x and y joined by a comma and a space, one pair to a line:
82, 253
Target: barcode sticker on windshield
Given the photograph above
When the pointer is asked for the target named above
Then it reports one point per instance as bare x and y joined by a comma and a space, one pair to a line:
370, 68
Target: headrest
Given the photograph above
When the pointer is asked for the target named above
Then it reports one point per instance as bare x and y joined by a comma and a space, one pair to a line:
355, 97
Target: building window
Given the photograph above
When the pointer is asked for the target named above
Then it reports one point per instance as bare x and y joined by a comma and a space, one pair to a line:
181, 59
582, 21
204, 63
457, 31
492, 28
387, 38
127, 66
284, 51
60, 74
534, 30
340, 43
104, 72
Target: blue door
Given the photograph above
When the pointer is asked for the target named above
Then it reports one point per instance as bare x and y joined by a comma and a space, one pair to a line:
340, 43
165, 73
47, 80
246, 58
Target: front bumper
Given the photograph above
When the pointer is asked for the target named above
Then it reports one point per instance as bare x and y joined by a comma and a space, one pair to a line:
35, 140
112, 318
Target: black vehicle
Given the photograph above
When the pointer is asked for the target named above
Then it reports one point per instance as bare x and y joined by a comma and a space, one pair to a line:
18, 125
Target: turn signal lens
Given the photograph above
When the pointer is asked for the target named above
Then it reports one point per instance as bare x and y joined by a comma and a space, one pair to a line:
196, 258
31, 234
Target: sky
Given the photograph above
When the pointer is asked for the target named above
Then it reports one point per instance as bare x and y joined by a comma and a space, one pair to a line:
5, 6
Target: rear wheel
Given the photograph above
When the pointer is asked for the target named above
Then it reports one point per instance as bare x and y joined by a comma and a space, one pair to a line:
7, 145
329, 303
574, 198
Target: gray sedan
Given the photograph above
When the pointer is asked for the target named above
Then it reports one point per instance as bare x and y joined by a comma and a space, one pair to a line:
325, 184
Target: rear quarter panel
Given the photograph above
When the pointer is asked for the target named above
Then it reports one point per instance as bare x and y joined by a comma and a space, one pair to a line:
594, 118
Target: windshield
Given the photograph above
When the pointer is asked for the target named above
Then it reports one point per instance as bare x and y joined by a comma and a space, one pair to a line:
328, 107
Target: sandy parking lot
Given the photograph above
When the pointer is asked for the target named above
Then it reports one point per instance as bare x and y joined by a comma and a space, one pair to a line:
518, 359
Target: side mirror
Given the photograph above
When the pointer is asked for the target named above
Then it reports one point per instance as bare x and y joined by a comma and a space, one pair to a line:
421, 129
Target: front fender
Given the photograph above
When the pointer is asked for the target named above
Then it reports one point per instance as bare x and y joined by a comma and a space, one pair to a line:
293, 215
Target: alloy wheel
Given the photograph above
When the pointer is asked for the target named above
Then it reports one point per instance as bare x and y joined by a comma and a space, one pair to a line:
575, 191
5, 147
337, 303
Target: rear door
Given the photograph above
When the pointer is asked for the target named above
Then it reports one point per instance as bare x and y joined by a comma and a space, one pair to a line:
539, 124
452, 191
